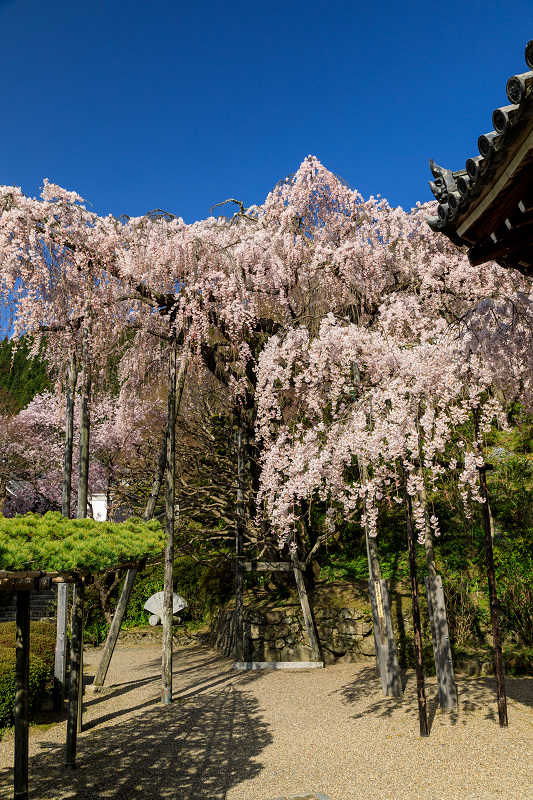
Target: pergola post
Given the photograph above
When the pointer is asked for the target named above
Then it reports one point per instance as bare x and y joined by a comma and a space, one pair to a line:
76, 676
60, 664
22, 681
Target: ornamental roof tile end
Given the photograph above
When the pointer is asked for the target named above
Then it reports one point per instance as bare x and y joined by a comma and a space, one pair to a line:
478, 205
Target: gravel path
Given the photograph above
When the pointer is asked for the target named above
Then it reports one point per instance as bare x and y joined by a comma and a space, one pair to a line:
260, 735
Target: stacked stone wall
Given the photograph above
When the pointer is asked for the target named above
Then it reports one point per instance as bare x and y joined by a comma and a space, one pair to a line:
279, 634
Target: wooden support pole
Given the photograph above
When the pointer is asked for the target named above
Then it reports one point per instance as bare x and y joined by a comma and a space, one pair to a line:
441, 643
60, 663
494, 605
76, 677
239, 612
114, 630
22, 681
240, 440
386, 653
417, 628
79, 716
170, 494
308, 617
493, 595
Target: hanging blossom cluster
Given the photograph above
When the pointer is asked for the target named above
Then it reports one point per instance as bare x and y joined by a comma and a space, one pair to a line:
353, 393
415, 341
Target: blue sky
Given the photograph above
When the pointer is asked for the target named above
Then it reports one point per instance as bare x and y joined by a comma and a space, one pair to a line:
179, 106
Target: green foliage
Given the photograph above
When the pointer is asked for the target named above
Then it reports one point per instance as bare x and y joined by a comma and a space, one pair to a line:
204, 586
467, 609
21, 377
53, 542
511, 486
42, 648
95, 627
514, 574
42, 639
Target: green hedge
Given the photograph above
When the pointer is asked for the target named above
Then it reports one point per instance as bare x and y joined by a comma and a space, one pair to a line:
42, 651
42, 639
39, 672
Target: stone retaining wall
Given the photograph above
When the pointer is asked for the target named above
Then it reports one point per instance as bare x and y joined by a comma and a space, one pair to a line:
279, 634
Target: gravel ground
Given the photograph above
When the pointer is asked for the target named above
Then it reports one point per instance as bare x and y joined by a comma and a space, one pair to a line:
271, 734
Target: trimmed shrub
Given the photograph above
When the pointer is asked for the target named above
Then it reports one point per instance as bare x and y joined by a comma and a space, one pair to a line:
39, 673
42, 653
42, 639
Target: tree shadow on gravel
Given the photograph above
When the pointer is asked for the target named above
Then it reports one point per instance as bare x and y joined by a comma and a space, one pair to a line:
475, 696
520, 690
195, 749
366, 691
473, 691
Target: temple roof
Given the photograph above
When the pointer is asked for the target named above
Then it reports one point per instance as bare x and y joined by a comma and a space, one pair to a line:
488, 205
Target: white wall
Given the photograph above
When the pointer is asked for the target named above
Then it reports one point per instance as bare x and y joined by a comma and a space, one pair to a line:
99, 504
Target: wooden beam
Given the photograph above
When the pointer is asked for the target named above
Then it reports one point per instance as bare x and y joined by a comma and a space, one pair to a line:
520, 262
21, 585
19, 574
25, 584
520, 239
264, 566
22, 682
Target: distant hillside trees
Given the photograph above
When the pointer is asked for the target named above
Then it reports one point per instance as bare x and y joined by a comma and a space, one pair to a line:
22, 376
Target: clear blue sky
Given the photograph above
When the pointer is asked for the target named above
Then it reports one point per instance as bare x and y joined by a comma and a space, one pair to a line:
138, 105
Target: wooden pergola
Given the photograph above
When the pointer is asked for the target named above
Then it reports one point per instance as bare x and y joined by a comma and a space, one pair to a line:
488, 205
22, 583
75, 559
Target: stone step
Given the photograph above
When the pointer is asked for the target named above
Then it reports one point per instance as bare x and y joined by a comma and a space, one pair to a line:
42, 606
